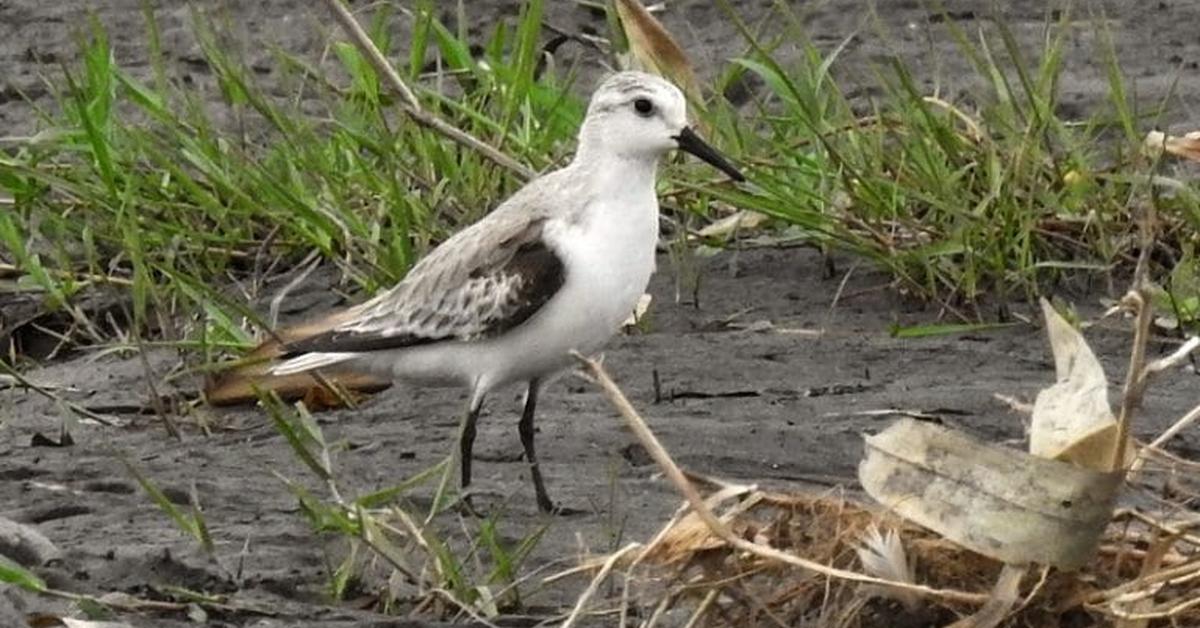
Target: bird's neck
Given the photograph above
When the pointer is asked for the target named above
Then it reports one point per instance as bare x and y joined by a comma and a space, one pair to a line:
607, 172
619, 200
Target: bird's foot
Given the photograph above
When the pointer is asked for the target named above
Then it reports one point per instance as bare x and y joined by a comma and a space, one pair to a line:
563, 511
548, 507
466, 507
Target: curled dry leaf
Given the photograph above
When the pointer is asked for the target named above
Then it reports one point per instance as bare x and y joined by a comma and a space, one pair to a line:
997, 501
654, 50
1187, 146
1072, 420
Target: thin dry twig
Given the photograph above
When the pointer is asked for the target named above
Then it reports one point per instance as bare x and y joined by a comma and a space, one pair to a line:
1177, 529
277, 300
977, 133
1186, 420
1170, 576
595, 584
411, 106
598, 375
1179, 356
1014, 404
69, 405
156, 401
1137, 300
82, 278
129, 603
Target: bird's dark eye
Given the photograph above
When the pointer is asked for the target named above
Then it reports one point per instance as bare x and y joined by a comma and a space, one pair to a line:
643, 106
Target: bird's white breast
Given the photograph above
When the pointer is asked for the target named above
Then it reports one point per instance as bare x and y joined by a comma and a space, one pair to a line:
608, 254
609, 258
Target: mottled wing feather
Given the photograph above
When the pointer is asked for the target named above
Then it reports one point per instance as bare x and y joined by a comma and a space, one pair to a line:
464, 290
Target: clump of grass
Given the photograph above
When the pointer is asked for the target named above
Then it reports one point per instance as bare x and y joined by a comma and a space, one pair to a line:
136, 187
139, 186
956, 203
411, 563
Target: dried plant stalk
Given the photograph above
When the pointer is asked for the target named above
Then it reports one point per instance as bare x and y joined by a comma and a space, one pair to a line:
637, 425
411, 106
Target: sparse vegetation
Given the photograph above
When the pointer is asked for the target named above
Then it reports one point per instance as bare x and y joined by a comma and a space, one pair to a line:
142, 218
136, 188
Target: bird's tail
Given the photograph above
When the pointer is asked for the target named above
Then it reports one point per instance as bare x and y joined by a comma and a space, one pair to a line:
259, 371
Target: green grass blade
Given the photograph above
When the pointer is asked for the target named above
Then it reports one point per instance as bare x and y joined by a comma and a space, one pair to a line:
383, 497
945, 329
12, 573
182, 521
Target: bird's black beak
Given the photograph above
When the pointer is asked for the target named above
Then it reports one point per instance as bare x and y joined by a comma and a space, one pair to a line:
690, 142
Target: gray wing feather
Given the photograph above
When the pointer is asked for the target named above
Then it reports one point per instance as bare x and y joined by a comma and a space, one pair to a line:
486, 279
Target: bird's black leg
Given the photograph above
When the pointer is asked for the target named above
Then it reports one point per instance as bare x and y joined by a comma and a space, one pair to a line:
466, 445
525, 427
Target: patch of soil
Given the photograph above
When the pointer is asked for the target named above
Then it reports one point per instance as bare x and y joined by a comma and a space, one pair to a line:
735, 386
744, 391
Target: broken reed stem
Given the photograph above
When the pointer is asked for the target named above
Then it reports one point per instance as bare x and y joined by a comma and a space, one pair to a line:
596, 373
368, 48
1138, 299
1176, 358
411, 106
1183, 423
594, 585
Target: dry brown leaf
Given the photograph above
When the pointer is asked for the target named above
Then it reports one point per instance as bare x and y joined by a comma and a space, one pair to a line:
654, 50
1000, 502
1186, 146
1072, 420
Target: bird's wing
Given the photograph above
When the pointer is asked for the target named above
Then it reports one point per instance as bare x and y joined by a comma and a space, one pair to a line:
480, 283
488, 278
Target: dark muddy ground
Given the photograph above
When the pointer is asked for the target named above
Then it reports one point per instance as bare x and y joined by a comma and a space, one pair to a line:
741, 399
747, 390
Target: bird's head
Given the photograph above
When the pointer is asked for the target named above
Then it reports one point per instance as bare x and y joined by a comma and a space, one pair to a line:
639, 115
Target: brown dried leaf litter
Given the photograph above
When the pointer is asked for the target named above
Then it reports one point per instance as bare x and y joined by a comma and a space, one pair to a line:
687, 570
742, 556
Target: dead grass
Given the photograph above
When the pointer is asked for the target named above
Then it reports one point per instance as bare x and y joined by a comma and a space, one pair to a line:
740, 556
687, 570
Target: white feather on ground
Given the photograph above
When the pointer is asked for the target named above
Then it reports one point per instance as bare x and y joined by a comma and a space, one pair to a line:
883, 556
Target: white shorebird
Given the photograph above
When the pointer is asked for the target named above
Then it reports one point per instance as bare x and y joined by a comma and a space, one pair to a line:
555, 268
